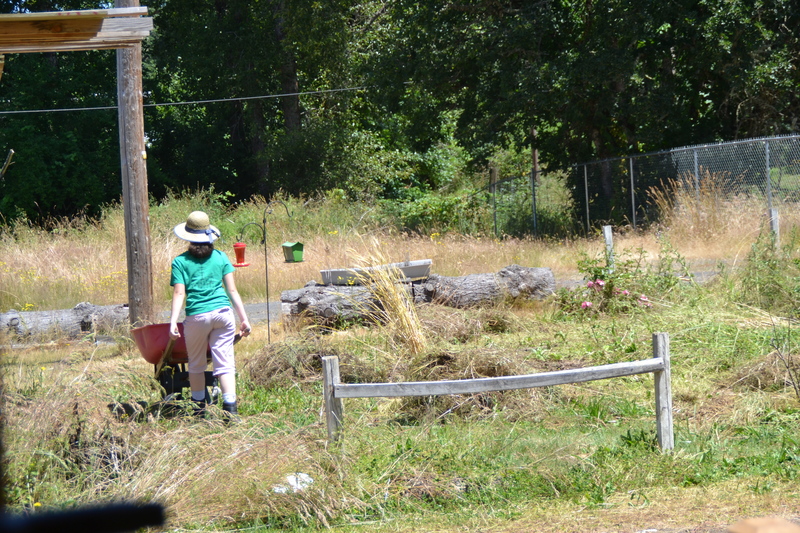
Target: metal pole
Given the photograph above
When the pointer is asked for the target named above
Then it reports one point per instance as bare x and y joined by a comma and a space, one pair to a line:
586, 192
534, 177
266, 273
493, 181
633, 197
696, 177
533, 206
769, 181
608, 237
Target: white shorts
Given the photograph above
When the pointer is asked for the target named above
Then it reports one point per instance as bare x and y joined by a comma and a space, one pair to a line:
213, 330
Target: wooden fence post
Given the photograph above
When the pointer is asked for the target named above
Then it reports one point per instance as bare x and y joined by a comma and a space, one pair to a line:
608, 236
334, 410
663, 393
775, 226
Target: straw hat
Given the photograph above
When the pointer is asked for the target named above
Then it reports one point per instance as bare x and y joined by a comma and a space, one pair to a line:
197, 228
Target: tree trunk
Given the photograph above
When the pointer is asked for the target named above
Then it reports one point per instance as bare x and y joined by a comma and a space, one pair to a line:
329, 303
83, 319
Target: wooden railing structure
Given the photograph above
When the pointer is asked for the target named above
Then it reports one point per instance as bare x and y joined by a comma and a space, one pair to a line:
334, 391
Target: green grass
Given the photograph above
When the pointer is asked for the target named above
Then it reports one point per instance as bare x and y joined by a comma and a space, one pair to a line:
569, 458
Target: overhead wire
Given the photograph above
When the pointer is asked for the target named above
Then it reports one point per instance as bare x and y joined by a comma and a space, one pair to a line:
188, 102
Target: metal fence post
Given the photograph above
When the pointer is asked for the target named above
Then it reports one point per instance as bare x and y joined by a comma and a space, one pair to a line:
533, 202
633, 197
493, 183
696, 177
769, 180
586, 192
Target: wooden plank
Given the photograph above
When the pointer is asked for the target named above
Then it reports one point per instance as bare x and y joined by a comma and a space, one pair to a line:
86, 13
472, 386
663, 393
73, 46
334, 410
112, 33
78, 29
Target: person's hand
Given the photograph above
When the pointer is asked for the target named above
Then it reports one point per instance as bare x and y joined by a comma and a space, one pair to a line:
173, 332
244, 327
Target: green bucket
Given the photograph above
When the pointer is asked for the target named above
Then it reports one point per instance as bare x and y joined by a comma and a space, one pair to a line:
293, 252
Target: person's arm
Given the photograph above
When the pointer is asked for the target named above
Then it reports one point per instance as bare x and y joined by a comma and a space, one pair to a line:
238, 306
178, 296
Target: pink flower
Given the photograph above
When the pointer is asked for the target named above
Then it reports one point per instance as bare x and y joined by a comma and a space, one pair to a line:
586, 305
625, 292
643, 298
600, 283
590, 284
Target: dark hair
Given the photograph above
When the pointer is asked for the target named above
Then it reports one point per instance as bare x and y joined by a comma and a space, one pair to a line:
200, 250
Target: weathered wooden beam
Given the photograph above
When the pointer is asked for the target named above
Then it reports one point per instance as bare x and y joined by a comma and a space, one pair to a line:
474, 386
135, 11
75, 30
663, 393
72, 31
659, 365
334, 409
135, 200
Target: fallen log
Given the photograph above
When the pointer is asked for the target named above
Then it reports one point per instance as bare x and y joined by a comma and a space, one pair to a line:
83, 319
512, 282
331, 302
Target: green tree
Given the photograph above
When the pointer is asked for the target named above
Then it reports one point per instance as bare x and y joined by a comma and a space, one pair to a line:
68, 161
235, 49
594, 79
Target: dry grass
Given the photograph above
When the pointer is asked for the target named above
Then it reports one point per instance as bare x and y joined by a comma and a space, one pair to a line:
60, 425
393, 306
708, 226
79, 260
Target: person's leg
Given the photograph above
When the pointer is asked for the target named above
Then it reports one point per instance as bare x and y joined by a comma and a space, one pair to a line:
196, 329
221, 343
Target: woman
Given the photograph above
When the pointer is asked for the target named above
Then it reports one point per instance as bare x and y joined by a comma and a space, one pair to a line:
203, 277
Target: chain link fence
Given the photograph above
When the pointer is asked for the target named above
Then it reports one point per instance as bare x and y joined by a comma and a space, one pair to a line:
630, 190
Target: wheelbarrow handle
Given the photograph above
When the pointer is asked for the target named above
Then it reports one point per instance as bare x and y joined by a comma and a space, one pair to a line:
165, 356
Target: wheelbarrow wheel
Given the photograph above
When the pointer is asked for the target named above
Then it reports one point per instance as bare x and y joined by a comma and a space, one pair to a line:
175, 382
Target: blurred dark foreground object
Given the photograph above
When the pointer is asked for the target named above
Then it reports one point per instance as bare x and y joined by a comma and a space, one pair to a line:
114, 518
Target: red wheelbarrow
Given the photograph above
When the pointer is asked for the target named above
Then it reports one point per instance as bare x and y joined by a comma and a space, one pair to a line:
169, 357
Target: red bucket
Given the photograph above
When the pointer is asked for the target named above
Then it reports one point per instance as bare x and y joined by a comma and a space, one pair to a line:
152, 341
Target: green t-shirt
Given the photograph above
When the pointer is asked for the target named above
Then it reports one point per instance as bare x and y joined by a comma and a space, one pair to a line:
203, 281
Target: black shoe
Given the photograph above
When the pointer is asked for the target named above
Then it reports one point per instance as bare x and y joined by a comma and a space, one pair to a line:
198, 409
230, 413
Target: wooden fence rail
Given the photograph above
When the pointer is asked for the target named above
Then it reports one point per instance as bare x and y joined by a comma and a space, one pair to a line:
659, 365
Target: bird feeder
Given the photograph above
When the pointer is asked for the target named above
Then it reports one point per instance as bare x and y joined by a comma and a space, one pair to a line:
293, 252
239, 249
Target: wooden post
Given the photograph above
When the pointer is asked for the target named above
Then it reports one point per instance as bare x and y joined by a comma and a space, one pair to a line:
608, 236
663, 393
135, 199
775, 226
334, 410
